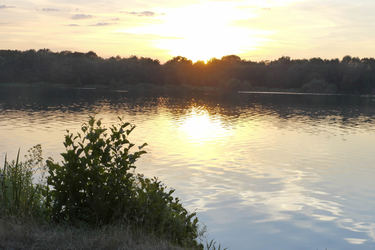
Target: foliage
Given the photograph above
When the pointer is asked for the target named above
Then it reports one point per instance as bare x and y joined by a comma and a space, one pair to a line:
349, 75
94, 181
19, 196
212, 245
27, 235
96, 184
159, 212
319, 86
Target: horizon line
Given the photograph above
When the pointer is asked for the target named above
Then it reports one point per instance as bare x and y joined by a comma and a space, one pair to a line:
184, 57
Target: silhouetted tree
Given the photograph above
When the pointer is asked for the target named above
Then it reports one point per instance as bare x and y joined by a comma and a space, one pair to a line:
230, 73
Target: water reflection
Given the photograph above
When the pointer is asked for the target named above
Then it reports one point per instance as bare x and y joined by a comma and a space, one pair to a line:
292, 172
198, 125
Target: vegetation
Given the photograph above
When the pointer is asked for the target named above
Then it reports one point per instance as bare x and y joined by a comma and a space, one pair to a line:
230, 73
19, 196
32, 235
94, 187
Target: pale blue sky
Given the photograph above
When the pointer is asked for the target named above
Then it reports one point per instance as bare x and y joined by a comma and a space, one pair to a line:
253, 29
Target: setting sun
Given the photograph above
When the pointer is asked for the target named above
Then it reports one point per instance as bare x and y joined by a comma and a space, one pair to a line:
204, 31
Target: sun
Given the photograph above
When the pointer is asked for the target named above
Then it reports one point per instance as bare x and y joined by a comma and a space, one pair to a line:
203, 31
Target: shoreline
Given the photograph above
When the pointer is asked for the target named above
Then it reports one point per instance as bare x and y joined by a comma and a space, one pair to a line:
174, 89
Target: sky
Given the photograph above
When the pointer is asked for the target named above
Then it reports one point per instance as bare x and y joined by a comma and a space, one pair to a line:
199, 30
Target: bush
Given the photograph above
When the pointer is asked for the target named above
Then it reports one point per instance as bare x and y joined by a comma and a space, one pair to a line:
96, 184
159, 213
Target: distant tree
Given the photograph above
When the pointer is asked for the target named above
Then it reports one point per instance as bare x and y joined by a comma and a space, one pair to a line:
230, 73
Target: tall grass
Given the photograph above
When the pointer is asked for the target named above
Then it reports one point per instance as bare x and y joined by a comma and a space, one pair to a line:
19, 195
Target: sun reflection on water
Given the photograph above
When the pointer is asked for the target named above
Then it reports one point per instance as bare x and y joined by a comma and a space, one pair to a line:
200, 126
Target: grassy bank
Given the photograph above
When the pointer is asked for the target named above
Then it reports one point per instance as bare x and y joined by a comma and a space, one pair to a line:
16, 234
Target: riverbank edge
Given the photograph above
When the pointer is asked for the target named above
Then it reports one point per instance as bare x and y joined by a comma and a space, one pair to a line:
29, 234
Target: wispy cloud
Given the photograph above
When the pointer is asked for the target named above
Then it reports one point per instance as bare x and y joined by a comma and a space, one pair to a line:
141, 13
72, 25
101, 24
81, 16
50, 10
6, 6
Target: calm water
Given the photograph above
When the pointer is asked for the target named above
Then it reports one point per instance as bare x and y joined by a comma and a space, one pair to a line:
262, 171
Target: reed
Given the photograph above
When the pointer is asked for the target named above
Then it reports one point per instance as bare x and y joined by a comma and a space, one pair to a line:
19, 195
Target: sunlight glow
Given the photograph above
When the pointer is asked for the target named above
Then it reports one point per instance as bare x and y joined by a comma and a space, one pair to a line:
199, 126
204, 31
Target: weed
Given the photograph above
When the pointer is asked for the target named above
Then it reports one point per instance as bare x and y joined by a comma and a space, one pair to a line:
19, 196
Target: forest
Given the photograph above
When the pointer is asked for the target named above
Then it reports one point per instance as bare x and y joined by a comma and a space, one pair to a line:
351, 75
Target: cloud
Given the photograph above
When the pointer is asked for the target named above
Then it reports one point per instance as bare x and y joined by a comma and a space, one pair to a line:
101, 24
72, 25
81, 16
6, 7
141, 13
50, 10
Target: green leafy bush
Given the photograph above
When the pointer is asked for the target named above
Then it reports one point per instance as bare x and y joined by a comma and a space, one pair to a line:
160, 213
96, 184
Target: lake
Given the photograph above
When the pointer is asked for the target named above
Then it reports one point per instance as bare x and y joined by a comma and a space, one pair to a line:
262, 171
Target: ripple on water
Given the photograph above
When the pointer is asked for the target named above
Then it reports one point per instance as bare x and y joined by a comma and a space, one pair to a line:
258, 172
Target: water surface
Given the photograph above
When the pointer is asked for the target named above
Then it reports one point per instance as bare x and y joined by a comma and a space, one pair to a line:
262, 171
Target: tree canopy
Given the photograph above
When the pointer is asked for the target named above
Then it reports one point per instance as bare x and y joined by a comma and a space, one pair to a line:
348, 75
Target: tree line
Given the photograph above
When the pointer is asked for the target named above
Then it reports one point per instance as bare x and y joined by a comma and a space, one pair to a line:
230, 73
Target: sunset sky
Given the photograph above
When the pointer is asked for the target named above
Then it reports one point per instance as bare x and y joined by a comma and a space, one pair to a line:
199, 30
